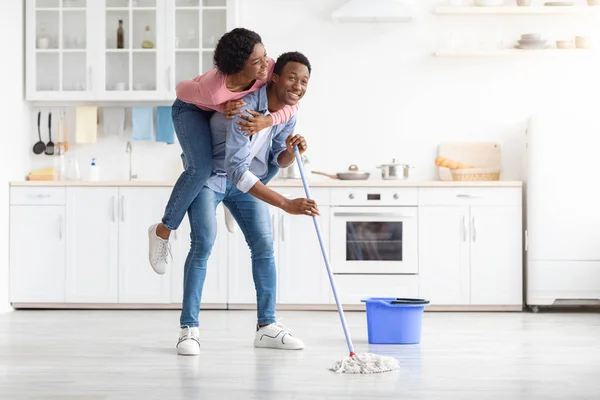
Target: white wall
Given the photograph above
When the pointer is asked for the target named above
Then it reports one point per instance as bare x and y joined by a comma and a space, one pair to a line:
376, 92
12, 115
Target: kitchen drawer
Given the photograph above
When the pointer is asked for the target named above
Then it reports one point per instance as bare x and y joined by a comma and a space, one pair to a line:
42, 196
353, 288
470, 196
320, 195
362, 196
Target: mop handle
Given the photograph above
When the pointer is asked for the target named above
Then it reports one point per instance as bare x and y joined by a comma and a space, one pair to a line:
318, 229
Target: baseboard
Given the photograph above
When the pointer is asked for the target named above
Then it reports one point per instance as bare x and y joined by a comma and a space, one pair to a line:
93, 306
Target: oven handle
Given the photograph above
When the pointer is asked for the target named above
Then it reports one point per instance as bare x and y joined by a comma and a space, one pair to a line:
370, 214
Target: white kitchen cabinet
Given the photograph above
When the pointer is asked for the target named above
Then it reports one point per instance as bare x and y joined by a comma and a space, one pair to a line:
302, 276
37, 253
139, 207
444, 269
470, 246
214, 291
92, 236
496, 255
72, 49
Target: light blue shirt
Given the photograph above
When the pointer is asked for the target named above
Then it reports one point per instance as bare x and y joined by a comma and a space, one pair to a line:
234, 154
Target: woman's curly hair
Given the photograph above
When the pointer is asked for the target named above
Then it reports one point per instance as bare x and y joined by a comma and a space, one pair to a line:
233, 50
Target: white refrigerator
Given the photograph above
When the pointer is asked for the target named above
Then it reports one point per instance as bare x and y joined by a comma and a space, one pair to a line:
562, 209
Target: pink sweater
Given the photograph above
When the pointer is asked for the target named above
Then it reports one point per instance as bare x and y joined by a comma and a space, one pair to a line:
209, 92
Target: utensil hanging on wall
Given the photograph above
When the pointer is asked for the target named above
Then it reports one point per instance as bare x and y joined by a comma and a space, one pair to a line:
40, 146
50, 145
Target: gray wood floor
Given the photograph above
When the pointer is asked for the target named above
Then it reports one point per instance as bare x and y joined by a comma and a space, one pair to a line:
131, 355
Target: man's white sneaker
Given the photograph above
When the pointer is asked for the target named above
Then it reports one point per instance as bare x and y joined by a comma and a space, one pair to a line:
189, 342
159, 250
276, 336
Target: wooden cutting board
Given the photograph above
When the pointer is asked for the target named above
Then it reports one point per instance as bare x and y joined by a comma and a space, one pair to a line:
480, 154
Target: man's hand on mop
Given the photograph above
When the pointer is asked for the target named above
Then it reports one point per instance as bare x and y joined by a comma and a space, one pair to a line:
302, 207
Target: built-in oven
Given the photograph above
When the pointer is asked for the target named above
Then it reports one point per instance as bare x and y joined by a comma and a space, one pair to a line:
374, 231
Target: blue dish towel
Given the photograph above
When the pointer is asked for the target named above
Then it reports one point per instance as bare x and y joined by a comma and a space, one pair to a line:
165, 131
142, 121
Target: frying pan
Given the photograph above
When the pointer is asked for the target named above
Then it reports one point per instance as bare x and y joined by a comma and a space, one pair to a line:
351, 175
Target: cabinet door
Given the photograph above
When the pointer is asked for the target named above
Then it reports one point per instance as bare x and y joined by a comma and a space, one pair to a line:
496, 255
137, 70
241, 284
140, 207
215, 285
302, 274
37, 254
193, 30
92, 245
444, 255
60, 53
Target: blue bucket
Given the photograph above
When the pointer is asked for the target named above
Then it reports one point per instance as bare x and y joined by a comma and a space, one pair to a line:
394, 320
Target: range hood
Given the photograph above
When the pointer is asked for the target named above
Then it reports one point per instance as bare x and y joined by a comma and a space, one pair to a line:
373, 11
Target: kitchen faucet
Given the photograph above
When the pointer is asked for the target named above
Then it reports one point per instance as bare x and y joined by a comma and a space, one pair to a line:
129, 149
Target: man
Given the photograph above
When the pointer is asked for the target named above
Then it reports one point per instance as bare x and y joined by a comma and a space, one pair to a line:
240, 168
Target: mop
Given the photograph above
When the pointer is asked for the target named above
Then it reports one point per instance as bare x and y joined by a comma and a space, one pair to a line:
365, 363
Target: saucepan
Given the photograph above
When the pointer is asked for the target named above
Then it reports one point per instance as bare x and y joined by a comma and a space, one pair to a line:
353, 174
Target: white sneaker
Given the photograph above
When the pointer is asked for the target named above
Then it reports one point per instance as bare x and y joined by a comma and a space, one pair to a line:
277, 336
189, 342
159, 250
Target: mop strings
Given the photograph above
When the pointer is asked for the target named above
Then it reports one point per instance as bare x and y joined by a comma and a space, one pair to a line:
367, 363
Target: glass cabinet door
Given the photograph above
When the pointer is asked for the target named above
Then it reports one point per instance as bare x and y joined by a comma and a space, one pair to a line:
61, 58
132, 48
195, 28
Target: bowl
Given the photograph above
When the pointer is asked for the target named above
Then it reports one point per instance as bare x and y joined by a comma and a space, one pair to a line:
565, 44
531, 36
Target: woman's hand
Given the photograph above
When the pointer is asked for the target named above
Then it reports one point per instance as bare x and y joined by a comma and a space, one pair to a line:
233, 107
254, 123
295, 140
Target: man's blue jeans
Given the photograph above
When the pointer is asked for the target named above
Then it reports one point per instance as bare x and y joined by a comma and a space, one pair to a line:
253, 217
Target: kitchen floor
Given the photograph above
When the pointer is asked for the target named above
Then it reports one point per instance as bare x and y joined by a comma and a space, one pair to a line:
131, 355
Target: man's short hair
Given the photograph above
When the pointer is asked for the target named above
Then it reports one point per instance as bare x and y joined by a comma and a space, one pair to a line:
292, 56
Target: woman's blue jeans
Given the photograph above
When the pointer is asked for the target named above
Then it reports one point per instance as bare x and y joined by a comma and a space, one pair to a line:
253, 217
192, 126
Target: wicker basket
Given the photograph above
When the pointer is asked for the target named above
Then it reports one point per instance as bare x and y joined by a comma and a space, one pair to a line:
475, 174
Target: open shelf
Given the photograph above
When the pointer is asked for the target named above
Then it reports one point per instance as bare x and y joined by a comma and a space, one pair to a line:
512, 53
516, 10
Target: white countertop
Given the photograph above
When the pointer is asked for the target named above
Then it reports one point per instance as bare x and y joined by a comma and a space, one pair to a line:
288, 183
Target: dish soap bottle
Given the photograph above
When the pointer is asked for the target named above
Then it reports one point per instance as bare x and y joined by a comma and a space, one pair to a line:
147, 43
94, 171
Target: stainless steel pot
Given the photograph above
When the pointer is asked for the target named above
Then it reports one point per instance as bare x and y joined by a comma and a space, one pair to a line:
395, 171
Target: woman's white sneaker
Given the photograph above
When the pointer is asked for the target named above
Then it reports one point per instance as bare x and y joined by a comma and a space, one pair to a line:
159, 251
276, 336
189, 342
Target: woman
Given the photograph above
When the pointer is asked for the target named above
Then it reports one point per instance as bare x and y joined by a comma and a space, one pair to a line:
242, 66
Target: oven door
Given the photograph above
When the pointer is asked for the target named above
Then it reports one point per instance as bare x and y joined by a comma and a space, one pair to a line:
377, 240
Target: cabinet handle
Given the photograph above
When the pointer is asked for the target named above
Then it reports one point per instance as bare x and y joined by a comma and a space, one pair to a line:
464, 228
469, 196
473, 228
169, 78
113, 201
90, 77
60, 223
175, 234
282, 228
122, 208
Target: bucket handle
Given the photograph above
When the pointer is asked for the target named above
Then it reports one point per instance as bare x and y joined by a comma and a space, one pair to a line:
409, 301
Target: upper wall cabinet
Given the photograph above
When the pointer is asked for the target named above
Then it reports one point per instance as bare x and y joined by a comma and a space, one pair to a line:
114, 50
